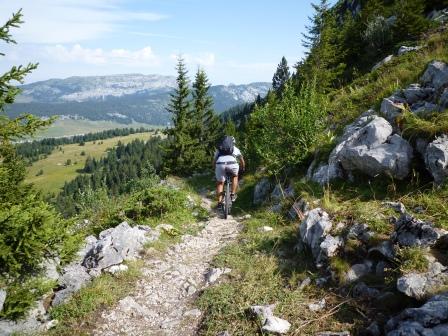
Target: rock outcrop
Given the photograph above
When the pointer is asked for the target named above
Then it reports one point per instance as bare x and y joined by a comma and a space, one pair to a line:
436, 159
269, 322
429, 319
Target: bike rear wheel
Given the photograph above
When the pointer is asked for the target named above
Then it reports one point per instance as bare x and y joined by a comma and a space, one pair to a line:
227, 200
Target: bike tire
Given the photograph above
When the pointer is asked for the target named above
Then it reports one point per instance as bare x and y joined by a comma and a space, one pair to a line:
227, 200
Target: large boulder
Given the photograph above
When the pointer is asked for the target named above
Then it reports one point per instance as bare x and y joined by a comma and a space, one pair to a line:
411, 232
392, 158
313, 230
436, 159
117, 244
430, 319
436, 75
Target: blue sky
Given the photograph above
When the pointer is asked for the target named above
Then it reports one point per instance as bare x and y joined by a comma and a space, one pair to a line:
234, 41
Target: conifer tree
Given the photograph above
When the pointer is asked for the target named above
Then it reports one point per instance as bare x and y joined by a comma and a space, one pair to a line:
207, 123
411, 20
325, 61
179, 136
281, 76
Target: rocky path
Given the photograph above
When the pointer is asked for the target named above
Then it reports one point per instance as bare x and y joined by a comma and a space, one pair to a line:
163, 300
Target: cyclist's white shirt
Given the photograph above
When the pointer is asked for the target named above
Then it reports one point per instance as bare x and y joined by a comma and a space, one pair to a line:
228, 158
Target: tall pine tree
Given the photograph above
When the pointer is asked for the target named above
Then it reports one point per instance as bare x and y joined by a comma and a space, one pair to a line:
281, 76
176, 152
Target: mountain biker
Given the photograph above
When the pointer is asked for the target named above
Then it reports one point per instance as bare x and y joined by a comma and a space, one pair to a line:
226, 160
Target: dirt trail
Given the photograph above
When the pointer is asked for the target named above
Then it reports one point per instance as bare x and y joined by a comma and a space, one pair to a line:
163, 300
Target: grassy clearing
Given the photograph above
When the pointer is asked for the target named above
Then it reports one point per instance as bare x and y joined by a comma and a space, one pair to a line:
69, 127
55, 170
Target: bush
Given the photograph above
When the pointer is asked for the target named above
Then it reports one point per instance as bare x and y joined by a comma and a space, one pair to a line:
30, 230
283, 132
22, 295
155, 202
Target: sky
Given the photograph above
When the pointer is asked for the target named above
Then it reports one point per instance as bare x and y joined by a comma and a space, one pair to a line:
234, 41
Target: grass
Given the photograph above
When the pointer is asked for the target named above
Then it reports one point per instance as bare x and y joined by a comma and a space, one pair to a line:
69, 127
56, 173
369, 90
78, 316
426, 127
412, 259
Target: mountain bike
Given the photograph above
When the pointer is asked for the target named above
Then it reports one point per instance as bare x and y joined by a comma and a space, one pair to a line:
227, 206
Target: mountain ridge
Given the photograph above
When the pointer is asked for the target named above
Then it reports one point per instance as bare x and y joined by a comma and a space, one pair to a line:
122, 97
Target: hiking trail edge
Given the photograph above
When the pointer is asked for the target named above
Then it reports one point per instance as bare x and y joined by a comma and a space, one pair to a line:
163, 300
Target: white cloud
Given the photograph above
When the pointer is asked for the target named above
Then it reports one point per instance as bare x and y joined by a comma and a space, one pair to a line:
70, 21
205, 59
98, 56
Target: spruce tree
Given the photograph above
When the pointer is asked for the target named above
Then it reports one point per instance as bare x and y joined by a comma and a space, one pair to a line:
178, 150
281, 76
206, 121
411, 20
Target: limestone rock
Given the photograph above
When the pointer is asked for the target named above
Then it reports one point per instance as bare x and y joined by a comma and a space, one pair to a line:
317, 306
416, 93
385, 249
404, 50
430, 319
443, 101
299, 207
410, 231
214, 274
393, 158
261, 191
397, 206
361, 290
326, 173
422, 108
313, 230
117, 269
392, 107
329, 248
115, 245
436, 159
420, 285
360, 232
265, 229
436, 75
50, 267
2, 298
382, 62
73, 278
269, 322
357, 271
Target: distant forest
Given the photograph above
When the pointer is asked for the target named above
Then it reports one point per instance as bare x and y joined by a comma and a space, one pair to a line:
124, 168
35, 150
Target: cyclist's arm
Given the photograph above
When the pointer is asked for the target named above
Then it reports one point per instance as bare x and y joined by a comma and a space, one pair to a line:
243, 163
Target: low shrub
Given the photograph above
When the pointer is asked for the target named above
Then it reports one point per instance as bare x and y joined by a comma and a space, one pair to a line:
155, 202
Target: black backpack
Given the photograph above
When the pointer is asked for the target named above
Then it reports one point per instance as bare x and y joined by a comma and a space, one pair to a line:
226, 146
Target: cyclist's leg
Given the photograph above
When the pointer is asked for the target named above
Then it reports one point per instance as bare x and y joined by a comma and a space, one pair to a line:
219, 190
234, 169
220, 175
